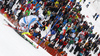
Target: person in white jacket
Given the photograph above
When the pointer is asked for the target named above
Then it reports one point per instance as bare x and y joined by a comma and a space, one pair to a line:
25, 22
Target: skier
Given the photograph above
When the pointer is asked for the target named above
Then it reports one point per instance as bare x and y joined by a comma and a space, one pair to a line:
96, 16
26, 22
88, 5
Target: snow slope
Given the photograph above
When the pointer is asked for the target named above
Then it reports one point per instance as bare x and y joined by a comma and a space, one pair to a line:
11, 44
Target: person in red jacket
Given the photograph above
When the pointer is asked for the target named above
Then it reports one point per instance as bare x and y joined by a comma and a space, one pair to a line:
23, 7
65, 54
99, 53
56, 39
2, 9
64, 43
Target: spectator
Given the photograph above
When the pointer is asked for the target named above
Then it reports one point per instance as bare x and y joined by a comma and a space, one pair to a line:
77, 48
52, 33
51, 44
97, 48
99, 53
1, 2
10, 5
70, 42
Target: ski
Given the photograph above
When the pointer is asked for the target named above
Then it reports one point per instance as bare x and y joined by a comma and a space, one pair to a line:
31, 43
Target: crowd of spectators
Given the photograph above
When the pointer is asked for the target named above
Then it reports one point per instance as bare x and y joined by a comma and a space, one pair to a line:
70, 31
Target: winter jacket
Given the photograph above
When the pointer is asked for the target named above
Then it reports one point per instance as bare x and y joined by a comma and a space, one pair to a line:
73, 35
77, 47
23, 8
73, 30
60, 42
38, 7
29, 5
65, 21
97, 16
65, 43
56, 39
50, 45
35, 34
76, 39
92, 27
27, 12
48, 13
11, 4
2, 10
68, 6
98, 54
83, 33
61, 36
71, 41
81, 54
53, 32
